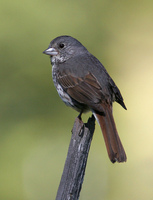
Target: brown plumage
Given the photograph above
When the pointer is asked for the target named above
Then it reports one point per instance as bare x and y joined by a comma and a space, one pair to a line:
83, 83
88, 90
113, 143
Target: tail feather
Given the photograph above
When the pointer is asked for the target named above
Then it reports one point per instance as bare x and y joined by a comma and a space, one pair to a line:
113, 143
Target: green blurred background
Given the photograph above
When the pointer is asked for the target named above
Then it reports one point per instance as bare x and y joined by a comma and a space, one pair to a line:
35, 125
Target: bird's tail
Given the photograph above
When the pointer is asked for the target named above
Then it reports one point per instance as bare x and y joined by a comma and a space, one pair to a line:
113, 143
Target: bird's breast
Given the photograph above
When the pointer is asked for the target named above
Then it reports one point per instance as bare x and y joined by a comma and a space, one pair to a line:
63, 95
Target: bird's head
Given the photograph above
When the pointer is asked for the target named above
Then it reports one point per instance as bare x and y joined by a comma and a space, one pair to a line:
63, 48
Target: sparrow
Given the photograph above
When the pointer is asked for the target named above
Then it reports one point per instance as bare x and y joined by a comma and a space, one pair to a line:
83, 83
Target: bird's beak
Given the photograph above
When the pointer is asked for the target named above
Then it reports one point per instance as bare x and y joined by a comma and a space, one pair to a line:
50, 51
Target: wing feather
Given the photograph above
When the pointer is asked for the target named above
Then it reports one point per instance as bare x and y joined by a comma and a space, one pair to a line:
85, 90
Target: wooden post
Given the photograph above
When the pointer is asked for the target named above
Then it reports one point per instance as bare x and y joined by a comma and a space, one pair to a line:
75, 165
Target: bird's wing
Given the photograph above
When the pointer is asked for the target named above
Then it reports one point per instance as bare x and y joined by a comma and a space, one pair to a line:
85, 90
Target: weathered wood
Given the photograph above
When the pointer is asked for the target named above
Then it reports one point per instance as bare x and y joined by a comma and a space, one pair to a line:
74, 169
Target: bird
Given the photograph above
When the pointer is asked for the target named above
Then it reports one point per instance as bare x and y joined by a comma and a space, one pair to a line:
83, 83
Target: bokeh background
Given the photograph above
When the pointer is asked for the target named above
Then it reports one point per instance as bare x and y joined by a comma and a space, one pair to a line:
35, 125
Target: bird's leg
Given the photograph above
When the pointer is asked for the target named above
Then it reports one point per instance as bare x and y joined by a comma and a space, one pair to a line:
79, 116
93, 117
79, 124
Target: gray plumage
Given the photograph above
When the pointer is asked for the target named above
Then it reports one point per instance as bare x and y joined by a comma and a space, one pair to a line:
84, 84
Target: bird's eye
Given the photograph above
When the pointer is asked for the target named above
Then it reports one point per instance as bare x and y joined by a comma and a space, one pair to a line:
61, 45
